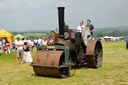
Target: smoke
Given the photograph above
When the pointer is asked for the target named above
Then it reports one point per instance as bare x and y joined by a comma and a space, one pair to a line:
68, 7
67, 4
64, 3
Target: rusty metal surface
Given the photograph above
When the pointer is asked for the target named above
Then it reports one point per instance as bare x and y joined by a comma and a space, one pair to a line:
91, 47
49, 59
63, 42
94, 54
43, 71
69, 32
52, 36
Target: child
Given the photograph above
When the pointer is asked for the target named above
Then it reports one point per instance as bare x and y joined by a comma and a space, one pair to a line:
5, 48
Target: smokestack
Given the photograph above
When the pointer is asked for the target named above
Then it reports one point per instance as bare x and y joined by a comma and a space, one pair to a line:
61, 21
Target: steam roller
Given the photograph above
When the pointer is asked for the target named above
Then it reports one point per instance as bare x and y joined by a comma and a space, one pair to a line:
66, 49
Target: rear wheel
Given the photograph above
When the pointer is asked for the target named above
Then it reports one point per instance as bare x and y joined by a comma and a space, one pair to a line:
94, 54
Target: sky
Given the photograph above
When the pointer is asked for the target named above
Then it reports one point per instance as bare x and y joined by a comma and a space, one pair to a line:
25, 15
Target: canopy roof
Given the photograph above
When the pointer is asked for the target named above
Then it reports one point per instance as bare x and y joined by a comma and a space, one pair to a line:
4, 33
19, 35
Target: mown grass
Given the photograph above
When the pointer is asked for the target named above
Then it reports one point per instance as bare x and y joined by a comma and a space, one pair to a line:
114, 70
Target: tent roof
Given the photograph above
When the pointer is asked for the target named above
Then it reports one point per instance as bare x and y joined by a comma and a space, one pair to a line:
4, 33
18, 35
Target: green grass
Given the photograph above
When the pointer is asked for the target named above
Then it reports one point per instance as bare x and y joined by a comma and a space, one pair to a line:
113, 72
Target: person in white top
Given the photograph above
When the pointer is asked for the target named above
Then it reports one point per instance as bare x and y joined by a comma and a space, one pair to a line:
35, 41
20, 52
32, 46
32, 43
29, 42
80, 27
44, 41
25, 40
39, 42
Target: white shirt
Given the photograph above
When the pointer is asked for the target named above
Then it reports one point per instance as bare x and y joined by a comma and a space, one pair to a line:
39, 41
79, 28
29, 42
18, 43
44, 42
15, 42
25, 40
32, 43
35, 41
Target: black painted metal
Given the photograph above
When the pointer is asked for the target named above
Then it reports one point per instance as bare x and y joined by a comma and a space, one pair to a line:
127, 44
61, 21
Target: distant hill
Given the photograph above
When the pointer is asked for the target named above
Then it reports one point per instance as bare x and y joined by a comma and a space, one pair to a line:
99, 32
109, 31
32, 31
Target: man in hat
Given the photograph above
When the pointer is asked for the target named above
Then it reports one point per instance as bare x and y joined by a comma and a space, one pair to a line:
20, 52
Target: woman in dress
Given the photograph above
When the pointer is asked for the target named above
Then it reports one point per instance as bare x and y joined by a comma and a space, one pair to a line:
27, 55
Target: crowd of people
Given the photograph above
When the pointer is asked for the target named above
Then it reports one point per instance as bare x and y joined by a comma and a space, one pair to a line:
25, 48
5, 46
22, 47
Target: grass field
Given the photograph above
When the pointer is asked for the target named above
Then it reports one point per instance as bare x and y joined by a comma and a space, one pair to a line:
113, 72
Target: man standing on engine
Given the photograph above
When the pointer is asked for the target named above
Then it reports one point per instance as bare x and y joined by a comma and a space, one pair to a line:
80, 27
90, 26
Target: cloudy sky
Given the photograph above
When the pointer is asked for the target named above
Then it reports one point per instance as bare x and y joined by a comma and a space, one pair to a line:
22, 15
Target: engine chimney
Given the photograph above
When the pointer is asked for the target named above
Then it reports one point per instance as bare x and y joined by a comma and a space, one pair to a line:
61, 21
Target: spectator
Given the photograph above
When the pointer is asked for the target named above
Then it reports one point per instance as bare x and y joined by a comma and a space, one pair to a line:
29, 42
35, 42
15, 43
25, 40
3, 40
20, 52
8, 46
27, 55
39, 42
31, 46
1, 46
5, 48
13, 47
44, 41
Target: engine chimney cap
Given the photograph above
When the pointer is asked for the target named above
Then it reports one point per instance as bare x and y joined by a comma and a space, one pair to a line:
61, 7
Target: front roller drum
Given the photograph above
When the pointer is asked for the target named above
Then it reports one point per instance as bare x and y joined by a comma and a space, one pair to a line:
94, 54
50, 63
47, 71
